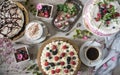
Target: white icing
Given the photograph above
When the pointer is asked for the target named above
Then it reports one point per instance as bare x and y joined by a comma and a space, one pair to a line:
91, 12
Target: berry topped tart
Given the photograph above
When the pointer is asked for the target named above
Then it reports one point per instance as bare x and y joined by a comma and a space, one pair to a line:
102, 16
58, 56
12, 19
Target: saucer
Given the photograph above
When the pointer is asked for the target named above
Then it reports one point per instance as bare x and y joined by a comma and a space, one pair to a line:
82, 54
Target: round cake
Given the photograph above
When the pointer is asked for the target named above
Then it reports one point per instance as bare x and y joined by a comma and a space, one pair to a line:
58, 57
11, 19
102, 17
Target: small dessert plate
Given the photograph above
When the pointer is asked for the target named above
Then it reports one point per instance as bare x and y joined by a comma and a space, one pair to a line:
82, 53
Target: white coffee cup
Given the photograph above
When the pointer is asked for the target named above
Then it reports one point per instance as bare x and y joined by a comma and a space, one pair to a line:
34, 31
93, 53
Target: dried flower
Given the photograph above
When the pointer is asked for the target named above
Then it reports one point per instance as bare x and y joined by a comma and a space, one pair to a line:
39, 6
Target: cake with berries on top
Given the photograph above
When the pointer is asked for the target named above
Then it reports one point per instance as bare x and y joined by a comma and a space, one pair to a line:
58, 57
102, 16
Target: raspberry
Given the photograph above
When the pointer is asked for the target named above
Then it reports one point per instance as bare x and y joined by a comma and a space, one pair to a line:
68, 15
64, 47
105, 11
66, 71
56, 58
52, 71
71, 53
46, 63
62, 63
98, 15
63, 54
54, 47
47, 54
97, 19
57, 70
107, 22
73, 62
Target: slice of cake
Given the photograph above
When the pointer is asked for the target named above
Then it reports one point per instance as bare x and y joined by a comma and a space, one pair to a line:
102, 16
11, 19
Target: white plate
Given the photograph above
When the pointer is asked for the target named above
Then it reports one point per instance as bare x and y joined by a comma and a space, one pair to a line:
82, 54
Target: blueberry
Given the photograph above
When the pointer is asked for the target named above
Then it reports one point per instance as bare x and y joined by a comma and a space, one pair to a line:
71, 70
68, 60
67, 50
50, 57
47, 48
74, 57
52, 64
47, 68
68, 66
55, 52
113, 27
58, 63
50, 50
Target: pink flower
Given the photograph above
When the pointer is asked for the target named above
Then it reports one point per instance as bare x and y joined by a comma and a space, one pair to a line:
113, 58
19, 56
39, 6
85, 37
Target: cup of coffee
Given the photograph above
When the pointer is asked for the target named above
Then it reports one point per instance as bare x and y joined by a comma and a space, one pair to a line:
93, 53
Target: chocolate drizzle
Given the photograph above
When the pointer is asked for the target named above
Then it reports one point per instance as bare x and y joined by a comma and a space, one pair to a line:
9, 18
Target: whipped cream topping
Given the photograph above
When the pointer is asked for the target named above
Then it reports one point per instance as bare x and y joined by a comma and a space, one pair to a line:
69, 66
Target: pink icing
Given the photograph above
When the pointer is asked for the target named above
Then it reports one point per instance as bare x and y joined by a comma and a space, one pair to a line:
19, 56
39, 6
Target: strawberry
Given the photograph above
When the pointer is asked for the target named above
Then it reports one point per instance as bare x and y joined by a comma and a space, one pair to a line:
62, 54
52, 71
98, 15
56, 58
62, 63
66, 71
73, 62
105, 11
107, 22
57, 70
97, 19
47, 54
46, 63
64, 47
54, 47
71, 53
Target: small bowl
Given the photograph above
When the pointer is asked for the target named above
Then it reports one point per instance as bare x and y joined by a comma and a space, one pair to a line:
21, 54
45, 11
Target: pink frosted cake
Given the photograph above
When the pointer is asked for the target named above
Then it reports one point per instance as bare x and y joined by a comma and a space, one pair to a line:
102, 17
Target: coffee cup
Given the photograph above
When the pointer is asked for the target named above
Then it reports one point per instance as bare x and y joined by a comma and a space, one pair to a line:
33, 30
93, 53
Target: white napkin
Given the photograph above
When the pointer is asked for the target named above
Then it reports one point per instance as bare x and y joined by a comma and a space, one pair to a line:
112, 59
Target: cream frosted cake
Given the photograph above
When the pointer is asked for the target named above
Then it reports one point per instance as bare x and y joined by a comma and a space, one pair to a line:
58, 58
102, 16
11, 19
